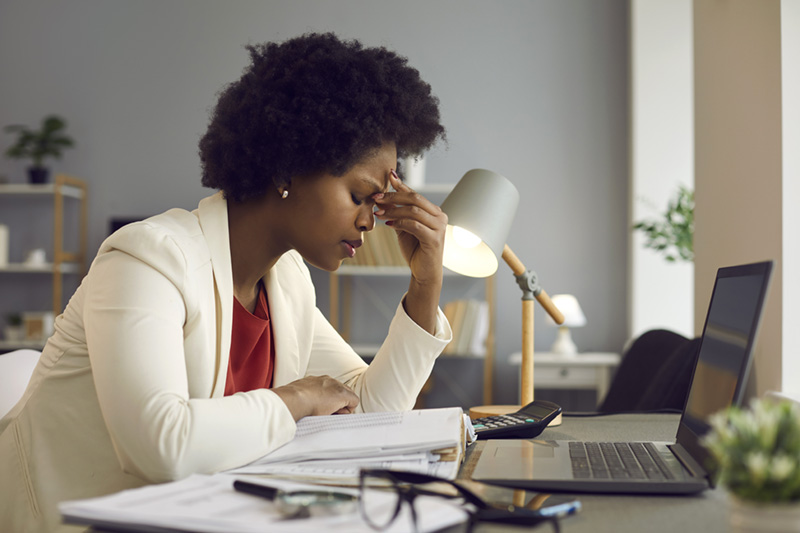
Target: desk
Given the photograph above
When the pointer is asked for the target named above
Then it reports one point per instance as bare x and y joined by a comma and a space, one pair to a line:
706, 513
591, 370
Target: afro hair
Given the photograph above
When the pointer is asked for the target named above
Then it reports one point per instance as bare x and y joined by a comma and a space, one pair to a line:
310, 104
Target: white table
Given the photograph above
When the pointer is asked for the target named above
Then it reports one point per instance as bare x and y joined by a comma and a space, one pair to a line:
590, 370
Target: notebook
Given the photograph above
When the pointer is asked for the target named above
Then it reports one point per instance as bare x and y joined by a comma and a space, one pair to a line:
718, 381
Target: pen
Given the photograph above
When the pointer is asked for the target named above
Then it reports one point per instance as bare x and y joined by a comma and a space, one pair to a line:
256, 489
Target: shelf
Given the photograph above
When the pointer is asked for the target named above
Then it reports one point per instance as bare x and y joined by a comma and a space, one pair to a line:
45, 268
436, 188
349, 274
31, 189
357, 270
388, 271
52, 196
369, 350
7, 346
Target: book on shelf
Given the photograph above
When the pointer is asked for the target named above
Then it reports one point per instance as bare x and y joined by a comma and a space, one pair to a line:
380, 248
469, 320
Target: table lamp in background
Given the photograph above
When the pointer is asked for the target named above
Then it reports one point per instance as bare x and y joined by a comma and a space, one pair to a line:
480, 210
573, 318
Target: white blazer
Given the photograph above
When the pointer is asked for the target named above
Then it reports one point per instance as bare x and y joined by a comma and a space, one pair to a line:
130, 388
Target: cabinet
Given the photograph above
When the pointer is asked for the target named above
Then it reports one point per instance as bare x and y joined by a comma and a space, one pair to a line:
25, 209
589, 371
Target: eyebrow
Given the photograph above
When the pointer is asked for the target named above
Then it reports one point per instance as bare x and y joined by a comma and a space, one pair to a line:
374, 186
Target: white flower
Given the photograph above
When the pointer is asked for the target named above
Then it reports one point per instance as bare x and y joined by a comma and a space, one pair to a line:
757, 464
767, 421
782, 466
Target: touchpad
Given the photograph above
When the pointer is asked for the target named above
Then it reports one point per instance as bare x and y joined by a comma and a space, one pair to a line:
518, 459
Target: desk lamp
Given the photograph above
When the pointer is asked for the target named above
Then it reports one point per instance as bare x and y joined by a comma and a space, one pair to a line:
480, 210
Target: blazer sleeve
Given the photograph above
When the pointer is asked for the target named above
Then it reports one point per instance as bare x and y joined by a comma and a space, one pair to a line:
134, 316
397, 372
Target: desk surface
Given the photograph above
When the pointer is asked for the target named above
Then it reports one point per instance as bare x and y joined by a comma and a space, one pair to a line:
706, 512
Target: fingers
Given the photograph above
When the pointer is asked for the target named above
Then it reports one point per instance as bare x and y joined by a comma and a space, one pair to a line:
408, 210
317, 395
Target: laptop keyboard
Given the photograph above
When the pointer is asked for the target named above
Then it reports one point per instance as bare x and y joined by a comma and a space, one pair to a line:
617, 460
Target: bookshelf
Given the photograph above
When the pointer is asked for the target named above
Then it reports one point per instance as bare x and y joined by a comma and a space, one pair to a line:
49, 199
377, 259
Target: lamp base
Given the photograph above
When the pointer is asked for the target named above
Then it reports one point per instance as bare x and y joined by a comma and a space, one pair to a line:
480, 411
564, 345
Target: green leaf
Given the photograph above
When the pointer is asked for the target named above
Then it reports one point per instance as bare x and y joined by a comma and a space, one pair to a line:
672, 235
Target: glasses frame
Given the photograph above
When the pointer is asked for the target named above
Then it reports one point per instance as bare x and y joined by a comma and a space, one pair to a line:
403, 483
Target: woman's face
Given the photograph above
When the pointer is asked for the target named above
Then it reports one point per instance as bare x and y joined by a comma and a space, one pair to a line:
333, 211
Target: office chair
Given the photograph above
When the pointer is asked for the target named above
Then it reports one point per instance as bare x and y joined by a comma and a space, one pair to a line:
654, 373
16, 369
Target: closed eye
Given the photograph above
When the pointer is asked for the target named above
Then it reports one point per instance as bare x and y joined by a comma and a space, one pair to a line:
355, 200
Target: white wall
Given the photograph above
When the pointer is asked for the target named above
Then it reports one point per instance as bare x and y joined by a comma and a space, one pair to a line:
661, 294
790, 95
534, 89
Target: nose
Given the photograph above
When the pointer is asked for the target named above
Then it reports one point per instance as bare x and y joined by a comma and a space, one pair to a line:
365, 220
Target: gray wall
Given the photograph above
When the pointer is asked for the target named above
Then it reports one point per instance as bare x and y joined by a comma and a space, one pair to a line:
535, 90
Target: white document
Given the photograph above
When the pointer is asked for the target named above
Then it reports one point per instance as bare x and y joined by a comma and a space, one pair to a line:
367, 436
347, 471
209, 504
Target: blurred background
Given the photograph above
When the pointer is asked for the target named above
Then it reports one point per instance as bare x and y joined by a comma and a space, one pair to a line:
586, 106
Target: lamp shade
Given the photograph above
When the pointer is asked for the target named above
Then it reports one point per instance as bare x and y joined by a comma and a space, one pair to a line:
570, 308
480, 210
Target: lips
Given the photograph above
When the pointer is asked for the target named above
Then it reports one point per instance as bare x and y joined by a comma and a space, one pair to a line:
350, 246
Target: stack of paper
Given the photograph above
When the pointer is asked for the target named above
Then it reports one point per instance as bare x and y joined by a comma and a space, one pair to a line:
209, 504
336, 447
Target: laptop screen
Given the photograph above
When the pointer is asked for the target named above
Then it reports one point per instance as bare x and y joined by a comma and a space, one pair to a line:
723, 360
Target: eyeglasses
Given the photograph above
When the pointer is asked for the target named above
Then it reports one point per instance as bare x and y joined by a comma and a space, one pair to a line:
380, 508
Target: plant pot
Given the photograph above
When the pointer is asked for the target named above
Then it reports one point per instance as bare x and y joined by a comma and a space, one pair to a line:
751, 517
38, 175
14, 333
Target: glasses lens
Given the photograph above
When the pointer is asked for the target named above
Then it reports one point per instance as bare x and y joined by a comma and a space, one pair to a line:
380, 501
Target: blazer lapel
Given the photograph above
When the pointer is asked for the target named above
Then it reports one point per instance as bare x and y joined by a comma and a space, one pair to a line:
213, 215
287, 352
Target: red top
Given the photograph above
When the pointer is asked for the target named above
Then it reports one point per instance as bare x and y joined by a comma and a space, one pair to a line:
252, 357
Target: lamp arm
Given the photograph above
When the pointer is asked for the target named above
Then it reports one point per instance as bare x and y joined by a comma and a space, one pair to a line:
530, 290
528, 282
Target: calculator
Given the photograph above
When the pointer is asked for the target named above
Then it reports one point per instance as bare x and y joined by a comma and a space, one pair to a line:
526, 423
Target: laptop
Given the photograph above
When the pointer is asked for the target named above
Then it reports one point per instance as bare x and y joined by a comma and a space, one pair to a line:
718, 381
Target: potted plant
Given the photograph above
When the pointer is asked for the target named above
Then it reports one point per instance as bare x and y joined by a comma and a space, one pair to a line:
37, 145
756, 453
673, 235
13, 331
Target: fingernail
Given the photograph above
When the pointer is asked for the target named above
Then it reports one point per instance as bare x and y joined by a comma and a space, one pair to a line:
389, 222
379, 212
395, 175
377, 196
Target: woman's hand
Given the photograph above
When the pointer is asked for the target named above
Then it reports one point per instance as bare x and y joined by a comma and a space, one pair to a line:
420, 226
317, 395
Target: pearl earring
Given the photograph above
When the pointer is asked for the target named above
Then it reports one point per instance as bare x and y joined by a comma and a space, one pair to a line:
285, 193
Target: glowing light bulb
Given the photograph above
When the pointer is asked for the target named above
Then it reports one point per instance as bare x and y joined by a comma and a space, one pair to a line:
464, 238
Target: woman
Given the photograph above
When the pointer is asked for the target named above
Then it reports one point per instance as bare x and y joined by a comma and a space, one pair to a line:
194, 343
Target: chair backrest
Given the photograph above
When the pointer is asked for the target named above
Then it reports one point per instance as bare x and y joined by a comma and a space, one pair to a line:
654, 373
15, 373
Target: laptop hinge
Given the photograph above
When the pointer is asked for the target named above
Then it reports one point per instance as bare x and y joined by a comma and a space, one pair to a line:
687, 461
